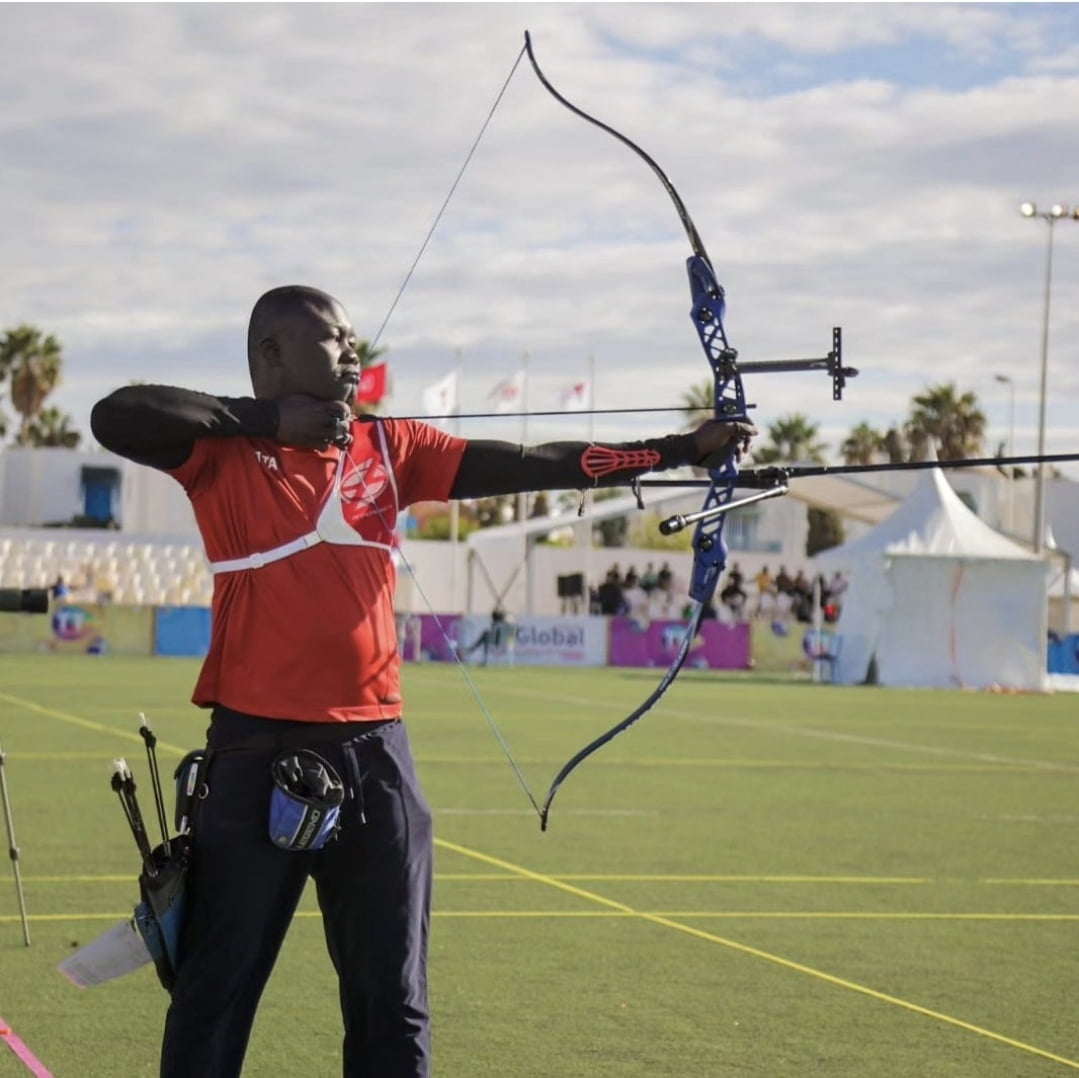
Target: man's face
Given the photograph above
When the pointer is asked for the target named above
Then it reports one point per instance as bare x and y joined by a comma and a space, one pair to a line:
317, 352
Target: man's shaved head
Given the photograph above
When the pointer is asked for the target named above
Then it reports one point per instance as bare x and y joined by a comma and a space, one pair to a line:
273, 310
300, 340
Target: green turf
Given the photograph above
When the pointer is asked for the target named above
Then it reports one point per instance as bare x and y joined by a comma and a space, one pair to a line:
764, 877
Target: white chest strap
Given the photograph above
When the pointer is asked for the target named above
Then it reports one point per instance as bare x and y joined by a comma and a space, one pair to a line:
258, 560
330, 527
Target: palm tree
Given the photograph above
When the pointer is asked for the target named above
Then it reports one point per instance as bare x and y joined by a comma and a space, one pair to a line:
791, 438
697, 402
862, 445
894, 444
51, 427
34, 361
955, 424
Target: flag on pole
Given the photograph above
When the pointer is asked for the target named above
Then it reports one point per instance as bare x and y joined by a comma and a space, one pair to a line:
440, 399
577, 397
372, 387
508, 394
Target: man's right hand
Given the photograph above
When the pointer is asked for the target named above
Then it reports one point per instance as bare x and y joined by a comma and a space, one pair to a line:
310, 423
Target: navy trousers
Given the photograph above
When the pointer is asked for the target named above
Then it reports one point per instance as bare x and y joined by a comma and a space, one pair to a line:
374, 890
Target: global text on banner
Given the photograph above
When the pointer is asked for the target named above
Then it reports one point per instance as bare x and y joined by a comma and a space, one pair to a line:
440, 399
508, 394
577, 397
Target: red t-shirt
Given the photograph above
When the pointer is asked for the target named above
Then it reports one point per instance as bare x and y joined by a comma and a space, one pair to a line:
312, 636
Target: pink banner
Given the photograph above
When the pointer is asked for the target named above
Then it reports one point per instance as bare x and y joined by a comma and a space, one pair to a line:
655, 643
429, 638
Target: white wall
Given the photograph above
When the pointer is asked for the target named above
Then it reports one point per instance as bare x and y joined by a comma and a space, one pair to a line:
44, 486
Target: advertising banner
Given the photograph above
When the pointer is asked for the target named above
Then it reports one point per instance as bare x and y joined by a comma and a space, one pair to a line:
182, 630
81, 628
655, 643
420, 638
525, 641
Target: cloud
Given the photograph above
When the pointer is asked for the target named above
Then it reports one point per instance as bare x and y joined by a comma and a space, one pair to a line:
164, 164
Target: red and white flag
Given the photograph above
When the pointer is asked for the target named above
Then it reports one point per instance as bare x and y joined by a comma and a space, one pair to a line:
440, 399
577, 397
508, 395
372, 387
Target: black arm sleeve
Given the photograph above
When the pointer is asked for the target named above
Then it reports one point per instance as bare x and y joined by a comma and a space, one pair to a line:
488, 468
158, 425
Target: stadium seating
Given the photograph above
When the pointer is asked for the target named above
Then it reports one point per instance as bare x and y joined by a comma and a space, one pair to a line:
107, 567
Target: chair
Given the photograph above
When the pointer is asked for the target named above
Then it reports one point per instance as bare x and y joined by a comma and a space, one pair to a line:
822, 648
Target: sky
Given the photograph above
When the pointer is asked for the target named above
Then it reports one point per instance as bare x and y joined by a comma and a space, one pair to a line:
858, 165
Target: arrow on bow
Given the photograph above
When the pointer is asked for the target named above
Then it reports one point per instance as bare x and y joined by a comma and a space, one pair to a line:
729, 403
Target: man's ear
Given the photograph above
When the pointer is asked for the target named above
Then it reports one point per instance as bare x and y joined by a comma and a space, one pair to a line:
269, 352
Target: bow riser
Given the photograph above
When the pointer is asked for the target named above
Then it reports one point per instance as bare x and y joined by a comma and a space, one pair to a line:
729, 402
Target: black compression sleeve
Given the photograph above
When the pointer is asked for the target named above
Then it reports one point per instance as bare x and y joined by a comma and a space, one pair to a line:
158, 425
488, 468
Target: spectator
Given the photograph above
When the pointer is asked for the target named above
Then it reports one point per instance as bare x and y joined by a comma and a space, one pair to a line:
784, 584
636, 603
766, 592
611, 599
665, 586
733, 595
497, 635
837, 587
802, 598
649, 580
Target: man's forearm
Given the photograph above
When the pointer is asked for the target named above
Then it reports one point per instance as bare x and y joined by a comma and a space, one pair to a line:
158, 425
489, 468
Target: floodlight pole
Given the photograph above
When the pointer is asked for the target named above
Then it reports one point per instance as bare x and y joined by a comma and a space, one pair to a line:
1050, 216
13, 850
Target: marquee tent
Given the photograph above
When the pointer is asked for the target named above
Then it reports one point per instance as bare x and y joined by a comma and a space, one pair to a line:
937, 598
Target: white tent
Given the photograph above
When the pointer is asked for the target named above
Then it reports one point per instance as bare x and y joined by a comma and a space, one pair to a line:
937, 598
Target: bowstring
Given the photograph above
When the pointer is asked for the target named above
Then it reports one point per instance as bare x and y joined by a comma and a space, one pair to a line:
404, 557
456, 653
453, 648
445, 203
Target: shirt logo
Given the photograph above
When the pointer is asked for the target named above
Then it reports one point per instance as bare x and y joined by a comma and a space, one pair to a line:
362, 486
268, 462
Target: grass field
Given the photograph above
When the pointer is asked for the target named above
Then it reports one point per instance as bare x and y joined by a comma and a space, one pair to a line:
764, 877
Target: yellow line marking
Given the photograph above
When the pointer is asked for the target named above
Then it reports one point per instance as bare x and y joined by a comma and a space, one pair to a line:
772, 915
86, 724
726, 915
755, 952
649, 878
131, 877
748, 765
37, 756
613, 877
1033, 883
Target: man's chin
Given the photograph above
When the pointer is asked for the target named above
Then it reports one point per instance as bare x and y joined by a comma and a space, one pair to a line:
344, 393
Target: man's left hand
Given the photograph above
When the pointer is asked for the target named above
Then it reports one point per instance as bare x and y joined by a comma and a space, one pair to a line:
717, 438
